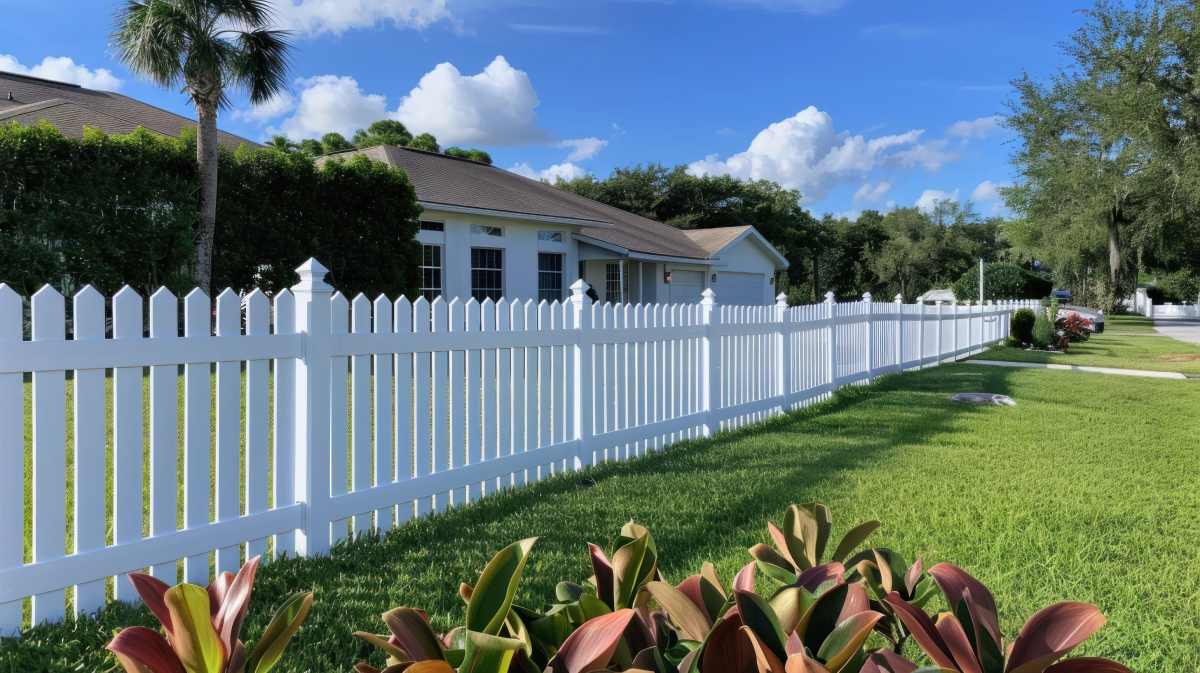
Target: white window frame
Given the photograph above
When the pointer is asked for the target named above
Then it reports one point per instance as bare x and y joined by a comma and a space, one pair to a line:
561, 264
430, 293
487, 230
484, 292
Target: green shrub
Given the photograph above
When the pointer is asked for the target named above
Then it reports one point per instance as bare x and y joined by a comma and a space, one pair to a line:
1177, 287
851, 614
115, 210
1043, 331
1002, 280
1020, 326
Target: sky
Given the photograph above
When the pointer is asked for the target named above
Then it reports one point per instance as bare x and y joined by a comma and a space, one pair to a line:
856, 104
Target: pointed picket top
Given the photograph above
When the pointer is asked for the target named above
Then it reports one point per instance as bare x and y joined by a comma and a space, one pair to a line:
160, 295
360, 314
88, 314
47, 308
258, 312
437, 311
127, 314
12, 323
164, 314
487, 320
285, 312
502, 308
197, 314
422, 311
402, 315
229, 313
455, 310
312, 276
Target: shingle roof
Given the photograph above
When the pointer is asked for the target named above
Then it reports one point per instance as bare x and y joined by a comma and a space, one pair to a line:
450, 181
712, 240
69, 107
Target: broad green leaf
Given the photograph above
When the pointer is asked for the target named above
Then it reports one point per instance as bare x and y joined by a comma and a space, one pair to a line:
855, 537
773, 564
493, 594
413, 632
686, 615
286, 622
627, 568
193, 637
758, 616
798, 527
790, 604
845, 641
486, 653
382, 643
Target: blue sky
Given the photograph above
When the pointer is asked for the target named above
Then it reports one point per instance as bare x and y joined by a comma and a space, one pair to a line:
857, 104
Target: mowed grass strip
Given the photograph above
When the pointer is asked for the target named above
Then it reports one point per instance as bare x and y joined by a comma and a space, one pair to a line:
1123, 350
1084, 491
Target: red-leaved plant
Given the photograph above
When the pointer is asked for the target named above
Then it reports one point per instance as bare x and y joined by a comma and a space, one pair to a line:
967, 639
202, 627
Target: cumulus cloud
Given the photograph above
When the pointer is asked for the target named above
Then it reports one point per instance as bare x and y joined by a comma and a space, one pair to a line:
929, 199
986, 191
313, 17
331, 103
974, 129
279, 105
872, 193
807, 153
583, 148
494, 107
64, 69
565, 171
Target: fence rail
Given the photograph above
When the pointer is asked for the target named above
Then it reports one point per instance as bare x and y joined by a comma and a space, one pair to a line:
295, 422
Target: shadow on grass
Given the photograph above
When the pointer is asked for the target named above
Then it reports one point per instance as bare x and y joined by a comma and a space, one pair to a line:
703, 500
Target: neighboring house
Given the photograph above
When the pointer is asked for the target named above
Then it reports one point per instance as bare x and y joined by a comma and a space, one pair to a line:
69, 107
488, 232
485, 232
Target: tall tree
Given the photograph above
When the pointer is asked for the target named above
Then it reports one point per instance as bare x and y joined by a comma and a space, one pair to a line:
211, 47
383, 132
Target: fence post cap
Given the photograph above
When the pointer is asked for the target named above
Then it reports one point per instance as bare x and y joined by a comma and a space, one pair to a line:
781, 300
312, 275
579, 288
937, 303
899, 298
866, 296
708, 297
829, 298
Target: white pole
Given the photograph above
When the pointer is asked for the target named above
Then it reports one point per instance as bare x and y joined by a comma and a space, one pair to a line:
981, 280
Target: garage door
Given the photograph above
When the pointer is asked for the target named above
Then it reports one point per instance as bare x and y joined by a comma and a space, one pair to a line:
741, 288
686, 286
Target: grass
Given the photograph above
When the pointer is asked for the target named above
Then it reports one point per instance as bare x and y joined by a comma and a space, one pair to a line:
1129, 343
1074, 494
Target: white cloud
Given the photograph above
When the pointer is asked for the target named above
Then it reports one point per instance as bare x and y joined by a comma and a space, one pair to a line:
331, 103
313, 17
974, 129
565, 170
583, 148
279, 105
986, 191
64, 69
494, 107
929, 199
805, 152
872, 193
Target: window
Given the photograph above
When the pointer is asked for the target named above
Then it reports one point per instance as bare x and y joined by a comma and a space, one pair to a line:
612, 282
555, 236
486, 231
550, 276
432, 226
431, 271
487, 273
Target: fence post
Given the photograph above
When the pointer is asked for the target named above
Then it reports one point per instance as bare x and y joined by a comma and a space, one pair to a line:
899, 331
939, 354
920, 335
954, 331
311, 462
581, 396
870, 347
710, 366
831, 347
783, 352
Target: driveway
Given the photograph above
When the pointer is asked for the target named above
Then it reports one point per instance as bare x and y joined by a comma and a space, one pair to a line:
1184, 329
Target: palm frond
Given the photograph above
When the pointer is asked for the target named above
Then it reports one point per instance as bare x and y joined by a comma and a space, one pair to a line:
150, 36
261, 64
252, 14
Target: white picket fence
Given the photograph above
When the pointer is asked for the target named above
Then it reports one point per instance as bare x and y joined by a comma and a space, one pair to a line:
359, 415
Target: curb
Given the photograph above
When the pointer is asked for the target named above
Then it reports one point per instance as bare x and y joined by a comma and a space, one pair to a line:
1143, 373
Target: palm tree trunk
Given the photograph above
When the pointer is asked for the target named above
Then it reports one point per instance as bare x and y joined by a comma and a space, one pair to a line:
206, 160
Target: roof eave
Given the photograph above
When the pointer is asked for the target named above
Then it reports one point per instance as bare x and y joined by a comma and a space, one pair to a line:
535, 217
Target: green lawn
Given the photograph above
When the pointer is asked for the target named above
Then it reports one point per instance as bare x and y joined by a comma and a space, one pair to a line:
1128, 324
1128, 348
1085, 490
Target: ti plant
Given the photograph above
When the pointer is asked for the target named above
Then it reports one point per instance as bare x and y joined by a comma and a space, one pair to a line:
967, 639
801, 542
885, 571
202, 627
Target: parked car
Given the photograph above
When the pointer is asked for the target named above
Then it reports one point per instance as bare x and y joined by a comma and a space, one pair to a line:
1061, 293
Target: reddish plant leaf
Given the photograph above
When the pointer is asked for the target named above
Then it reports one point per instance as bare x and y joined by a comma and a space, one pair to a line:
1088, 665
855, 603
922, 630
727, 650
955, 583
232, 611
592, 645
802, 663
955, 637
413, 634
217, 590
690, 617
1050, 633
744, 581
140, 649
913, 576
765, 659
817, 575
151, 589
690, 587
781, 543
603, 570
886, 661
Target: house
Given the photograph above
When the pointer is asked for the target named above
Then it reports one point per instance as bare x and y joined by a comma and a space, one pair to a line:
69, 107
488, 232
485, 232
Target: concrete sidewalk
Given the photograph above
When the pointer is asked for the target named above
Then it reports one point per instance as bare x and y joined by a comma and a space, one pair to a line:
1184, 329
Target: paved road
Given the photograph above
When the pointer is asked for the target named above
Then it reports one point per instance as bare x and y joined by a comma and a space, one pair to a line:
1184, 330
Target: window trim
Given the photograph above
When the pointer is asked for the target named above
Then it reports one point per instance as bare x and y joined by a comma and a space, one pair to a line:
560, 272
432, 225
501, 270
440, 268
487, 230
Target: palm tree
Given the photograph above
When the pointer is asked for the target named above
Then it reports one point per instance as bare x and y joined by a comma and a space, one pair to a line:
210, 47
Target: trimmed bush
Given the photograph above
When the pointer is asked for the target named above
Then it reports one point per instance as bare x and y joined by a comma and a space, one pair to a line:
1021, 325
110, 210
1002, 280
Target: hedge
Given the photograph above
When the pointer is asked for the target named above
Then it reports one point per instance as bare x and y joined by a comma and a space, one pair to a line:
1002, 280
115, 210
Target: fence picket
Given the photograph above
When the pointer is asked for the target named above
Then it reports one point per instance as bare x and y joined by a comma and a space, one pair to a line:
360, 412
255, 481
283, 486
340, 456
90, 526
229, 424
164, 426
12, 458
404, 429
49, 462
197, 431
474, 399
